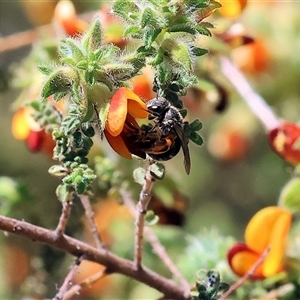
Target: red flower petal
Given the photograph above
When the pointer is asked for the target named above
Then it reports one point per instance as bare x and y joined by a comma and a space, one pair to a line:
117, 143
285, 141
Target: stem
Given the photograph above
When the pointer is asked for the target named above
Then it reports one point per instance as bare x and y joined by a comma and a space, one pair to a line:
76, 289
63, 220
91, 220
78, 248
256, 103
141, 208
247, 275
158, 248
68, 280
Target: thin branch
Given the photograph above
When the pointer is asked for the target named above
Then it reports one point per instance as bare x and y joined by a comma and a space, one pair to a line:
113, 263
256, 103
141, 208
63, 220
68, 280
27, 38
158, 248
278, 293
91, 220
248, 275
77, 288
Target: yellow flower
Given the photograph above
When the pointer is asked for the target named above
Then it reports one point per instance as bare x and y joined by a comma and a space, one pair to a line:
125, 107
269, 227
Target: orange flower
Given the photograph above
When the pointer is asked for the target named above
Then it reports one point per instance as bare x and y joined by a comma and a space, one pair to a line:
125, 106
112, 26
65, 16
269, 227
25, 128
285, 141
233, 8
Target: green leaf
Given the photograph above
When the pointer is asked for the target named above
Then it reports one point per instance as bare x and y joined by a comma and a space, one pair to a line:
89, 113
104, 79
150, 36
126, 9
290, 195
198, 51
120, 71
59, 95
151, 218
148, 18
103, 112
196, 138
139, 175
157, 171
58, 171
92, 39
69, 48
64, 192
46, 69
196, 125
203, 30
158, 58
196, 4
177, 53
188, 28
60, 81
89, 77
132, 30
82, 64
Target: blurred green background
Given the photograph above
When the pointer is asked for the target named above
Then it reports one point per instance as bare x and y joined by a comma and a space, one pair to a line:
222, 193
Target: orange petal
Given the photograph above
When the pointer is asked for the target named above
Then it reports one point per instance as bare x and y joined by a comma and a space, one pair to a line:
272, 263
65, 15
142, 87
117, 143
117, 112
20, 126
136, 107
259, 230
242, 262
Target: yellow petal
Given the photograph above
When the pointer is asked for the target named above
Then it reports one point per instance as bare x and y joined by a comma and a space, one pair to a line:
136, 107
242, 262
117, 112
272, 263
232, 8
260, 228
20, 126
117, 143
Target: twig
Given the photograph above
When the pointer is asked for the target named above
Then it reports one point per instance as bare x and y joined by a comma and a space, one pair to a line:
90, 218
141, 208
256, 103
156, 244
278, 293
63, 220
113, 263
27, 38
247, 275
68, 280
76, 289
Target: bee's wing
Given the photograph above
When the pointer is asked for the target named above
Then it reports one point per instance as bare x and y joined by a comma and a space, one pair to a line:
184, 143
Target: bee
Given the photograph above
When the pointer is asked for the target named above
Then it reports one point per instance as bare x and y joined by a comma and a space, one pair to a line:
169, 129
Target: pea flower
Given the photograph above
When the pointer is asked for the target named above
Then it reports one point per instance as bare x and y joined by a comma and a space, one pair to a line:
25, 128
125, 107
65, 16
269, 227
285, 141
